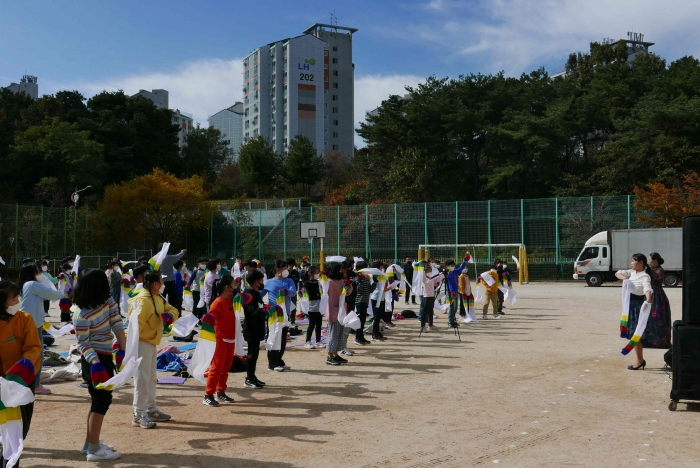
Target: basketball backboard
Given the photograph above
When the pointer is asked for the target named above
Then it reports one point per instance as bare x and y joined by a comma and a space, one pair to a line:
313, 230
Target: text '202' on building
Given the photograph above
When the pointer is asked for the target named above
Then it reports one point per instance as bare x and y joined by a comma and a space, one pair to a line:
303, 85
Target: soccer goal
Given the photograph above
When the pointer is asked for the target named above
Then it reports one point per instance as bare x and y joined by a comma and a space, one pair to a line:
483, 255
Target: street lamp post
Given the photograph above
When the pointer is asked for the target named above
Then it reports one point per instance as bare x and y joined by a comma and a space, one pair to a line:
74, 198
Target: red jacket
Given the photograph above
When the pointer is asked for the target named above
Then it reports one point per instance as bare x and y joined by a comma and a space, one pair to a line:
225, 324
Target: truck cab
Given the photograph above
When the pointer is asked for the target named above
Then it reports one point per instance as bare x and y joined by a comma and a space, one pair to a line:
594, 261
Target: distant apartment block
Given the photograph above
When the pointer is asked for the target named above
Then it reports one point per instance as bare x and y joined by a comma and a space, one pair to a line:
229, 122
28, 85
302, 86
158, 96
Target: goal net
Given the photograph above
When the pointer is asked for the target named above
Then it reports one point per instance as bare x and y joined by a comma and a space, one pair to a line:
483, 256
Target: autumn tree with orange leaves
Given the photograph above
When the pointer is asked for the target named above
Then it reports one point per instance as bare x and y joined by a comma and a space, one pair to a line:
664, 206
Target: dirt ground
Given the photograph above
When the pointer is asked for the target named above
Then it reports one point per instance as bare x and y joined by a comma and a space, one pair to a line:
545, 386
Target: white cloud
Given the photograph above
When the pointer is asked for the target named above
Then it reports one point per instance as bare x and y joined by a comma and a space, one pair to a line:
518, 35
371, 90
201, 88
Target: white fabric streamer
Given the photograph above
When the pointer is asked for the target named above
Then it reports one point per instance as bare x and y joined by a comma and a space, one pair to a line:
184, 326
51, 330
479, 293
487, 278
119, 380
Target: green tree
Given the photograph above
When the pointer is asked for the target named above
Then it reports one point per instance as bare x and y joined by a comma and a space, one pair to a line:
259, 164
302, 164
205, 154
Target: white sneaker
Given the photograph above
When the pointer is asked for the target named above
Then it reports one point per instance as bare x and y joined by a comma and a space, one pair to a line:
143, 421
108, 447
278, 369
347, 352
286, 367
424, 330
103, 454
308, 345
496, 316
485, 317
320, 346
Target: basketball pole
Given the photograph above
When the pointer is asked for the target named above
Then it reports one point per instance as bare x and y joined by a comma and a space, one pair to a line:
322, 257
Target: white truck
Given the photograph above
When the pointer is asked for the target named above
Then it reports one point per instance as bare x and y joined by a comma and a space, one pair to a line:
609, 251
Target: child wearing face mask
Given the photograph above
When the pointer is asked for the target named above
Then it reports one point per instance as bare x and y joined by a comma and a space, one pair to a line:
254, 332
50, 280
67, 284
153, 310
18, 342
214, 267
33, 294
315, 317
196, 289
273, 285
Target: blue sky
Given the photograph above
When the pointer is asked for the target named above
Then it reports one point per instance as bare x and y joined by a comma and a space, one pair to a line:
194, 48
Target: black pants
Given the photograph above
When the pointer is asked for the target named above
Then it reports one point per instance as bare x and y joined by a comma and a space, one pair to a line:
428, 305
174, 299
500, 300
315, 322
252, 361
101, 399
408, 293
47, 304
462, 310
388, 316
361, 310
27, 411
197, 311
378, 314
274, 358
293, 315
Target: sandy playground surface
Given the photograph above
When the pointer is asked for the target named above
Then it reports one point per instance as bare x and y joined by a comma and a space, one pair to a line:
544, 386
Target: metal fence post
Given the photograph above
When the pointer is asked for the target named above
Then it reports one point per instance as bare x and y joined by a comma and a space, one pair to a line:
86, 229
591, 214
41, 233
556, 230
367, 233
522, 221
65, 229
425, 221
284, 232
17, 231
211, 234
488, 219
311, 244
396, 236
456, 230
629, 211
338, 216
260, 256
235, 234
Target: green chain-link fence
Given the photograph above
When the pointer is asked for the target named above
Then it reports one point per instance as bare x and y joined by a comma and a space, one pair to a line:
554, 230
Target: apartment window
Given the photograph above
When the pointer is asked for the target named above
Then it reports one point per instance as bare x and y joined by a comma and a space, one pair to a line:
325, 53
325, 143
273, 142
335, 72
255, 132
335, 122
285, 74
285, 142
285, 129
325, 117
335, 97
255, 56
274, 62
335, 134
335, 147
247, 124
325, 66
325, 130
335, 110
335, 60
325, 104
325, 79
325, 91
247, 110
273, 129
335, 85
335, 49
255, 69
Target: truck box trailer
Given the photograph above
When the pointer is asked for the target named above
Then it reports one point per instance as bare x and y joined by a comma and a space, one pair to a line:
609, 251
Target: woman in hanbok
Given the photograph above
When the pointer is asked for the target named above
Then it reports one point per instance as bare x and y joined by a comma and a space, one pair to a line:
658, 332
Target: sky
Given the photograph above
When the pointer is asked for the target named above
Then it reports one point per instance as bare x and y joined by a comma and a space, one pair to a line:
194, 49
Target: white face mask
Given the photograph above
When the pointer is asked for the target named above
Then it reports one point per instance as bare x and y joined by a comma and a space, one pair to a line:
285, 273
118, 270
40, 278
202, 266
218, 267
317, 277
161, 289
44, 268
71, 263
13, 309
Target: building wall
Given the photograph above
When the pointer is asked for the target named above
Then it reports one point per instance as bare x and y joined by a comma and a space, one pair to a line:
30, 89
160, 97
185, 123
230, 124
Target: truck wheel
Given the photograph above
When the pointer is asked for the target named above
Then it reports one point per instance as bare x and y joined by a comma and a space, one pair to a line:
594, 279
671, 280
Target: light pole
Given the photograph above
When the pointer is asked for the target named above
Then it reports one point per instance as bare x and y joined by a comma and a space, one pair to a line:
74, 198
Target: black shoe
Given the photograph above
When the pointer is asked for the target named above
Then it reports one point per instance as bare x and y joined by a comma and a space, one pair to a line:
641, 366
259, 381
252, 384
210, 401
501, 312
361, 343
332, 362
453, 325
340, 360
223, 398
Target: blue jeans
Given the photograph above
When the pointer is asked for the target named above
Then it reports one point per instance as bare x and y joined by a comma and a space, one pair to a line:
116, 295
420, 309
453, 311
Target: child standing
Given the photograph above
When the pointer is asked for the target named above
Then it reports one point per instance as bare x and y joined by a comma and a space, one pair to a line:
67, 283
96, 325
255, 320
361, 302
315, 317
225, 330
492, 294
272, 286
336, 282
153, 311
429, 283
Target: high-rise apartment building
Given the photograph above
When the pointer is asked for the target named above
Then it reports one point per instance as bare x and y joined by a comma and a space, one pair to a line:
230, 123
302, 86
28, 85
160, 97
183, 120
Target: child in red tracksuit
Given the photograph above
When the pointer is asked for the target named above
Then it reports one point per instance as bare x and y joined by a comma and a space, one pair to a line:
225, 329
